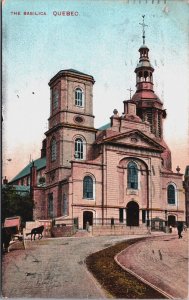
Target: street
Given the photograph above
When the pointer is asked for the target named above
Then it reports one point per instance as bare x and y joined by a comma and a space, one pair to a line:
55, 268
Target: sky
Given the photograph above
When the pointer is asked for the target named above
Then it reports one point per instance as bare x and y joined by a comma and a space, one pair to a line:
102, 39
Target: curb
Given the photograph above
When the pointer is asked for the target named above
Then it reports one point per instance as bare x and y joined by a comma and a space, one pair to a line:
141, 278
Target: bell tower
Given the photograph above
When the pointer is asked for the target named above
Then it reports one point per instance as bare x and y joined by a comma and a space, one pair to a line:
71, 131
149, 106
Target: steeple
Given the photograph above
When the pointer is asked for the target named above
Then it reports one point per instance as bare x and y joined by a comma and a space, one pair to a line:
144, 69
143, 30
147, 102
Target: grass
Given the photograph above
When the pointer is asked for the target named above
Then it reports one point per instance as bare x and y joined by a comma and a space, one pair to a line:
119, 283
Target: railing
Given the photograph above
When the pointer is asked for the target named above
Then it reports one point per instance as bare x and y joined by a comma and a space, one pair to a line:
108, 221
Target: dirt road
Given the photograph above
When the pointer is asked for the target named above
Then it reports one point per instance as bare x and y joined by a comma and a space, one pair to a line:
53, 268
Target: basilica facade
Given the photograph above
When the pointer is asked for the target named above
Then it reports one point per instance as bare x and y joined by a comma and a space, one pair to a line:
121, 171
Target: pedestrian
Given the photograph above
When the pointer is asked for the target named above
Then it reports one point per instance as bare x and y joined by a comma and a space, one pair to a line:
87, 226
180, 229
170, 229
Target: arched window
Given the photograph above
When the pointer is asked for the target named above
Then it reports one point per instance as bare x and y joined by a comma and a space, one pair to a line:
87, 187
78, 97
53, 149
132, 176
171, 194
79, 154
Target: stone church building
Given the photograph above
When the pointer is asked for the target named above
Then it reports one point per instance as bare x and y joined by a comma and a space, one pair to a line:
121, 171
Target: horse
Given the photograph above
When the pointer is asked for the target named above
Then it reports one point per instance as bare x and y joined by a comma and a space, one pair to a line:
6, 237
37, 230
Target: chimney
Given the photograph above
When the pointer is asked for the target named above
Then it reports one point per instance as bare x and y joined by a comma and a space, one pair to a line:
5, 180
33, 176
43, 150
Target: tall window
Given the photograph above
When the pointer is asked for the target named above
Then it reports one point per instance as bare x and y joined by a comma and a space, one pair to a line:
55, 96
87, 187
53, 149
78, 97
121, 215
79, 148
171, 194
65, 207
50, 205
132, 176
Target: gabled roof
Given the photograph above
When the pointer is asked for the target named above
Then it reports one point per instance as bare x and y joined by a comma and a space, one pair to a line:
117, 139
40, 163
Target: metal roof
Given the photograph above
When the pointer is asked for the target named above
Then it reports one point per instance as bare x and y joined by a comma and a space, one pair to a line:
103, 127
74, 71
40, 163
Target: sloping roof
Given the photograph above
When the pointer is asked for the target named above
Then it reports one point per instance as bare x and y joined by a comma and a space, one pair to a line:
40, 163
71, 71
12, 222
75, 71
105, 126
22, 188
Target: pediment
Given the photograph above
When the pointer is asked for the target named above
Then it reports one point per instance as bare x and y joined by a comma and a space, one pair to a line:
135, 138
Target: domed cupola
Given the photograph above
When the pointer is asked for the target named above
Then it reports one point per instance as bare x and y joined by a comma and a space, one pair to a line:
144, 71
148, 104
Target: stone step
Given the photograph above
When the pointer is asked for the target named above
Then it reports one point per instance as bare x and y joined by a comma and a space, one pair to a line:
82, 233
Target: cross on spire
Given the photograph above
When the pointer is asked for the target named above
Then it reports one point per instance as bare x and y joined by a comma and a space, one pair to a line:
130, 90
143, 29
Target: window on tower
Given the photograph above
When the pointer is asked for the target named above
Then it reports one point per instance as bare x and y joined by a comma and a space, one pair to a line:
79, 149
55, 96
53, 149
132, 176
79, 97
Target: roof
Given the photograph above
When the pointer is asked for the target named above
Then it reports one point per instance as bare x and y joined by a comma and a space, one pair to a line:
74, 71
105, 126
40, 163
143, 46
71, 72
12, 222
22, 188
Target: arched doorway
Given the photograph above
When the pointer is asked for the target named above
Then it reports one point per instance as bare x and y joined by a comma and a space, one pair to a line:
87, 217
171, 220
132, 214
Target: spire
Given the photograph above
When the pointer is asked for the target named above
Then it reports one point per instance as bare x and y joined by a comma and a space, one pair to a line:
143, 29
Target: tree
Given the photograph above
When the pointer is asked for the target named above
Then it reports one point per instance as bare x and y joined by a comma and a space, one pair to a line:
15, 203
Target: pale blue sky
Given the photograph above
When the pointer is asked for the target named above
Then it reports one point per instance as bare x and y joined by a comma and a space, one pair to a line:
103, 40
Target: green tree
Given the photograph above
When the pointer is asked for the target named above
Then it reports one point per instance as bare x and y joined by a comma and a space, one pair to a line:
15, 203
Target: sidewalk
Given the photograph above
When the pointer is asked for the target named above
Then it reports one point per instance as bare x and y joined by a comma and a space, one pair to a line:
162, 261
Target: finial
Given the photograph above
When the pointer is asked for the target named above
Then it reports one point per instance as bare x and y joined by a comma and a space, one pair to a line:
143, 30
115, 111
130, 90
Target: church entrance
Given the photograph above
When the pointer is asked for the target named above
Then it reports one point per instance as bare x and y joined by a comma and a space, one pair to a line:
171, 221
87, 217
132, 218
